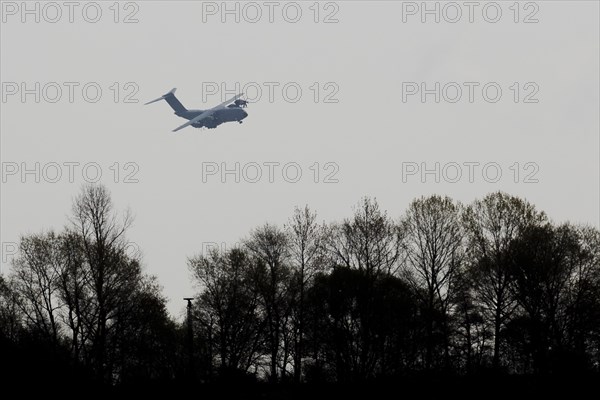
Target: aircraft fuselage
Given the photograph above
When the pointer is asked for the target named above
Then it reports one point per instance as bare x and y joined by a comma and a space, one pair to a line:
229, 114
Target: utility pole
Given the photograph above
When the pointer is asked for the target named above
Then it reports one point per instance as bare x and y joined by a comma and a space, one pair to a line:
190, 338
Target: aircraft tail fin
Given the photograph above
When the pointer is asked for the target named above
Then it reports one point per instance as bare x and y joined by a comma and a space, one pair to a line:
172, 100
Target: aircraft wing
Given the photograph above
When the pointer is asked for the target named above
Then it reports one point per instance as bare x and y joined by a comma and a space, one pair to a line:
208, 113
205, 114
231, 100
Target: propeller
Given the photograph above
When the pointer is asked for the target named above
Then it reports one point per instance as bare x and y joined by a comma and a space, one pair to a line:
241, 103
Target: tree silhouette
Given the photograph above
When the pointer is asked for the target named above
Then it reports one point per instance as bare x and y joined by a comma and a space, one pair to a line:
491, 225
268, 247
433, 242
306, 241
228, 310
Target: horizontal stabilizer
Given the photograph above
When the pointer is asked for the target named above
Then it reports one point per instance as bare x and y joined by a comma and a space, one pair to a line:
172, 100
172, 91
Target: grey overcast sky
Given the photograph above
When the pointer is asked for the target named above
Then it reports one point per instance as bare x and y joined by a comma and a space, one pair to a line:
342, 92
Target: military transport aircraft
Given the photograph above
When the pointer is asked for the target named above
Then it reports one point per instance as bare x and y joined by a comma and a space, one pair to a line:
228, 111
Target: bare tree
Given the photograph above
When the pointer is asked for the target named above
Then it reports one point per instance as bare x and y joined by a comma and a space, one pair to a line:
491, 225
433, 244
36, 272
10, 321
542, 261
583, 314
268, 246
307, 256
228, 308
104, 245
367, 242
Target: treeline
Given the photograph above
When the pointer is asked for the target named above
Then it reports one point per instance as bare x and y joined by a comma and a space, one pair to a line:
489, 287
493, 287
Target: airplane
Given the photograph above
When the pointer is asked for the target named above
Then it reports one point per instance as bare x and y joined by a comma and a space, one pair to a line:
228, 111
